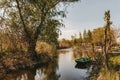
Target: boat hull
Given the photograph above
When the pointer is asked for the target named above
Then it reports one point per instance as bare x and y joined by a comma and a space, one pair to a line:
82, 66
83, 61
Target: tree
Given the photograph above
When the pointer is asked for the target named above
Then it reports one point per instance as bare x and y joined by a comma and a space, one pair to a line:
33, 19
98, 36
106, 30
116, 33
89, 36
74, 40
85, 36
64, 43
80, 37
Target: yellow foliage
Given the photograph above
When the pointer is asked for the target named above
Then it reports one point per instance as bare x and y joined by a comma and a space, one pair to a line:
115, 60
109, 75
43, 47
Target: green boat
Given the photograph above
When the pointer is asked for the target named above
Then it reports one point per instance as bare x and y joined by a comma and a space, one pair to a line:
85, 66
83, 60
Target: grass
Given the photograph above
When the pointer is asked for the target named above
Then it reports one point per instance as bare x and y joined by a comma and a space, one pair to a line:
109, 75
114, 69
115, 60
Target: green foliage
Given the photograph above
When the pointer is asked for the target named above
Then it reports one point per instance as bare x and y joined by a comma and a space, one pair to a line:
115, 60
51, 32
107, 19
31, 20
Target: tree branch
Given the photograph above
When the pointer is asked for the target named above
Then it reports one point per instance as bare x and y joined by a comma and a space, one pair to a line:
44, 13
37, 32
21, 17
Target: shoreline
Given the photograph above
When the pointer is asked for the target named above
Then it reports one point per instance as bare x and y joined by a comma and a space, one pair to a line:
12, 64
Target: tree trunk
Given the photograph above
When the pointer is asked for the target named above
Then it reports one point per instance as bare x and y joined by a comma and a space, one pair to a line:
104, 49
31, 49
0, 46
93, 47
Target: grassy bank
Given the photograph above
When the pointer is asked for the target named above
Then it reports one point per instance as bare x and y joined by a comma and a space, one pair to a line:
113, 72
11, 61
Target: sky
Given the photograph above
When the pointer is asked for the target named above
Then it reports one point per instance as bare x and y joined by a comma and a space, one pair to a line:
89, 14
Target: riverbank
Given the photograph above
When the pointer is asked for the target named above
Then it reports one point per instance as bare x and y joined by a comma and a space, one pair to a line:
113, 73
20, 61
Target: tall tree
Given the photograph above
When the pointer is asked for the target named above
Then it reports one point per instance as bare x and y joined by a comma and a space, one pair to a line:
80, 37
98, 36
34, 19
89, 36
106, 30
85, 36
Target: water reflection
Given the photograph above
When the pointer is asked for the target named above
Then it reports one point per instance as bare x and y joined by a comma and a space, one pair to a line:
83, 52
20, 75
62, 67
79, 66
67, 68
48, 72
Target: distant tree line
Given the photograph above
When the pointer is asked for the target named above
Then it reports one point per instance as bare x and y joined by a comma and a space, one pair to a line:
93, 38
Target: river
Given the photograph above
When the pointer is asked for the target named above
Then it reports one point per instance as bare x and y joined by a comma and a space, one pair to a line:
63, 67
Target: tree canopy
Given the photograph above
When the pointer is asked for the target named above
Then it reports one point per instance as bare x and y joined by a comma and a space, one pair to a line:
33, 19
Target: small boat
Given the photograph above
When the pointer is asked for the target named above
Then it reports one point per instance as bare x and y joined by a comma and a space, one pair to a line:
83, 60
79, 66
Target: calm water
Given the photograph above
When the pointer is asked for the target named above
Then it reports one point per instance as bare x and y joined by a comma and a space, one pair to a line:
63, 67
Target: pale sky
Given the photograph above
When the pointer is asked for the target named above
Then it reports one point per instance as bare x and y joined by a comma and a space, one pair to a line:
89, 14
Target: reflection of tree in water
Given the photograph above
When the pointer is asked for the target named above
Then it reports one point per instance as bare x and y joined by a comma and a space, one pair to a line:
63, 51
20, 75
29, 75
82, 51
48, 72
77, 52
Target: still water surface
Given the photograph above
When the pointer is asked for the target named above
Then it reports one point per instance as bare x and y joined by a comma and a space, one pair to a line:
63, 67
